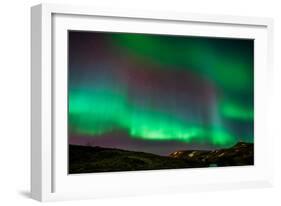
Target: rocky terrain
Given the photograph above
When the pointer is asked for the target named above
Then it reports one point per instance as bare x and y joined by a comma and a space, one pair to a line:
88, 159
240, 154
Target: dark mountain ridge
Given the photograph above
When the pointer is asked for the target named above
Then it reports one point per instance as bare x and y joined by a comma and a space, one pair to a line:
88, 159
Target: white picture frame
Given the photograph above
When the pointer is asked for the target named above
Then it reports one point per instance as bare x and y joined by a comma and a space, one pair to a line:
49, 178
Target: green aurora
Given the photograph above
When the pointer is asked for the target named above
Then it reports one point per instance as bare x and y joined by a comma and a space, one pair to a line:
102, 100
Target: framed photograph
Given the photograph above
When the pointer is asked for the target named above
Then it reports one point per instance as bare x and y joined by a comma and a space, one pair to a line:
138, 102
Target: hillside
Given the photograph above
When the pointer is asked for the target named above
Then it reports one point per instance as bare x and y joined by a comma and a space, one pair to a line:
84, 159
87, 159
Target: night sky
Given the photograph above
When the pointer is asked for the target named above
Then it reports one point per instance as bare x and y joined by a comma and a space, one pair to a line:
159, 93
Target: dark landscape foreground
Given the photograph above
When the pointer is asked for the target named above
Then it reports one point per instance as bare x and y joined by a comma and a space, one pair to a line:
87, 159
